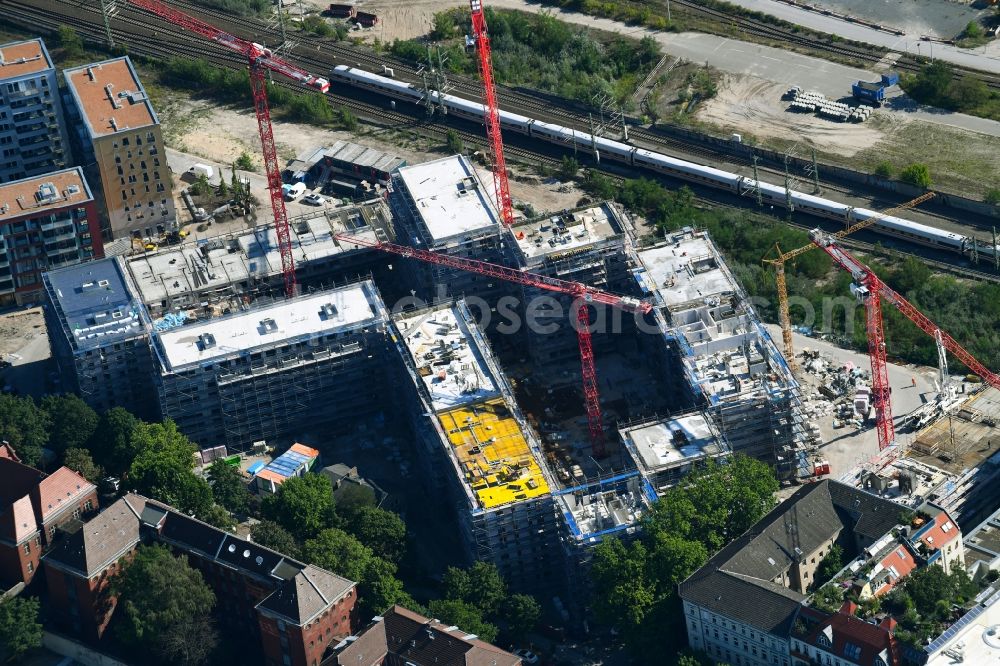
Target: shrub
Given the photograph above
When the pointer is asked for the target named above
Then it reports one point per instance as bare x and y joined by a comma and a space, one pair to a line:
884, 169
916, 174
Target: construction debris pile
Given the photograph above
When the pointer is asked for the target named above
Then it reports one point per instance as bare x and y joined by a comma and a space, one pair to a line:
842, 390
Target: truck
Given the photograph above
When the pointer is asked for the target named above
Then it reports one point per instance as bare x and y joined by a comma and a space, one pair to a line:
293, 191
873, 92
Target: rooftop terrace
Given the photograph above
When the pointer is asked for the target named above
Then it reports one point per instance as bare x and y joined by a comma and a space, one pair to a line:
110, 97
450, 199
22, 58
453, 371
277, 324
493, 454
566, 233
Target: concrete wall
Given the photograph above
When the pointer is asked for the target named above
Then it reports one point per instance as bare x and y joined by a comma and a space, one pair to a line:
78, 652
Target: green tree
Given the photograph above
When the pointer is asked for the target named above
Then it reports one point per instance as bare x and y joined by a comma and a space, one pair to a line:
162, 468
351, 497
303, 505
337, 551
912, 274
382, 531
190, 642
20, 630
72, 421
380, 589
465, 616
972, 31
623, 592
79, 460
884, 169
521, 612
927, 586
481, 585
673, 558
916, 174
25, 426
112, 444
968, 92
454, 142
157, 591
244, 163
828, 568
568, 168
217, 516
992, 196
228, 487
201, 187
272, 535
70, 42
444, 26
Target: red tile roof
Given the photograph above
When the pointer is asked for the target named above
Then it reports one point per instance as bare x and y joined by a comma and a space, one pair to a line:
63, 487
896, 565
7, 451
942, 531
854, 640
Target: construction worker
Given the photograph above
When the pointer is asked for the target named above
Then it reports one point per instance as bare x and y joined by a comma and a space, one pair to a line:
913, 382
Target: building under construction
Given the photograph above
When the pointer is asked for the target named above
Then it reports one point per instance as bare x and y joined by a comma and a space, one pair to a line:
200, 335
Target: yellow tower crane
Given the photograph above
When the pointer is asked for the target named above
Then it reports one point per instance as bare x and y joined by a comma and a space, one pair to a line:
779, 268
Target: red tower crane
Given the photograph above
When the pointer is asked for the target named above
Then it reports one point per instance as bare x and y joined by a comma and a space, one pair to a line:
491, 112
872, 291
261, 60
583, 294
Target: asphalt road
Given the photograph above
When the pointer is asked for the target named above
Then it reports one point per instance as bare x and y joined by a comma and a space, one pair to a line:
986, 59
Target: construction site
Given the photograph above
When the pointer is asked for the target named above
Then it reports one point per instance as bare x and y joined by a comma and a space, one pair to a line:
554, 375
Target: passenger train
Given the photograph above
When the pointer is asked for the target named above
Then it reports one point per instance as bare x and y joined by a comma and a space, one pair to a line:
665, 164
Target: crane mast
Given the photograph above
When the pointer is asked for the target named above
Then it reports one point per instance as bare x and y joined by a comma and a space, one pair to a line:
872, 291
261, 60
491, 112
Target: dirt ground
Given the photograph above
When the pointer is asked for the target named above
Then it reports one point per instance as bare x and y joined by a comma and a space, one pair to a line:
198, 132
752, 105
19, 328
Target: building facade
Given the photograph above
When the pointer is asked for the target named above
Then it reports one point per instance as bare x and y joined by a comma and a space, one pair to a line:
33, 506
32, 132
46, 222
99, 335
294, 610
120, 133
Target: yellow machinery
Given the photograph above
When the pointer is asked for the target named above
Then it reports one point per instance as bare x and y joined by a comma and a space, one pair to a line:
779, 268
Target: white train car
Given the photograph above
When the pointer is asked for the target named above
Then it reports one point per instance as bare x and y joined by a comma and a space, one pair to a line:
609, 149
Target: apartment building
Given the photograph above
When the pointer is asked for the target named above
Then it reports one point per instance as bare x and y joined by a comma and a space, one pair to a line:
46, 222
293, 610
33, 506
120, 133
33, 138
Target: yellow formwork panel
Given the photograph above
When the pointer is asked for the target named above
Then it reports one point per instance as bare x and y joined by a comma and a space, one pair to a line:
493, 454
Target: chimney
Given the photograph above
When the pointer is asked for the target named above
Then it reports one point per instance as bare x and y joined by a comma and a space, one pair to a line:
888, 623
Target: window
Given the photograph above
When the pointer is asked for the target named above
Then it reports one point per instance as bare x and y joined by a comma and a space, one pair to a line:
88, 505
823, 640
27, 548
31, 567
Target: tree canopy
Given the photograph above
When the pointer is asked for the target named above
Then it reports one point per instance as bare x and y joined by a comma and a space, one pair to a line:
158, 591
20, 630
481, 585
229, 487
25, 426
303, 505
79, 460
382, 531
72, 421
337, 551
112, 444
465, 616
162, 468
272, 535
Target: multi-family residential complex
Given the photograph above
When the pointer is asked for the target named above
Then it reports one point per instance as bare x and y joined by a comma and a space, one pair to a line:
260, 373
32, 133
748, 604
294, 610
45, 222
120, 133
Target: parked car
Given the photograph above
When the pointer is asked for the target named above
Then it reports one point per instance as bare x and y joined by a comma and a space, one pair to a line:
527, 657
314, 199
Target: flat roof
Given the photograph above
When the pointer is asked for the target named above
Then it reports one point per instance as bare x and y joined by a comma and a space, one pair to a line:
685, 271
351, 153
677, 440
603, 508
21, 58
493, 454
95, 302
271, 325
173, 272
450, 199
567, 232
110, 97
43, 193
453, 370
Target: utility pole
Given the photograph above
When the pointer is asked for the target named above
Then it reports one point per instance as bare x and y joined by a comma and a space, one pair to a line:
756, 182
668, 12
107, 21
815, 174
281, 21
788, 191
442, 80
